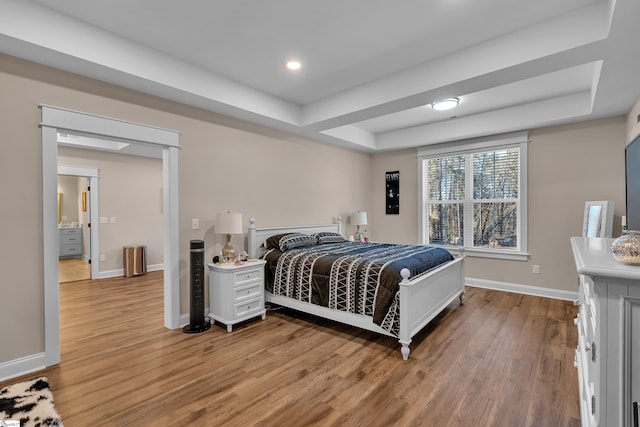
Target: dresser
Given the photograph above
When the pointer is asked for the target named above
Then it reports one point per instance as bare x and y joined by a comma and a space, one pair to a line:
70, 242
608, 322
236, 293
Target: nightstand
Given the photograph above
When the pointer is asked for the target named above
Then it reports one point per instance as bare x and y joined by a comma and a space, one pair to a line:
236, 292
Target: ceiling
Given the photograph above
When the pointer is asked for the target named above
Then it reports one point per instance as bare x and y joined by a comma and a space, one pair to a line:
370, 68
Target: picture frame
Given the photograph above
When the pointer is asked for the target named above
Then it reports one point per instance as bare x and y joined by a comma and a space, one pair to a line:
392, 192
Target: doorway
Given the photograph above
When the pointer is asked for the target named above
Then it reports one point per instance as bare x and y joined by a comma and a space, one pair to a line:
58, 121
77, 210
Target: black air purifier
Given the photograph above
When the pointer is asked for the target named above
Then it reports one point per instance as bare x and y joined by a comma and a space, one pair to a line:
197, 322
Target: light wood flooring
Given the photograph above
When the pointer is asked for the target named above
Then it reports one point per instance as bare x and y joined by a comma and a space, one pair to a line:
72, 269
501, 359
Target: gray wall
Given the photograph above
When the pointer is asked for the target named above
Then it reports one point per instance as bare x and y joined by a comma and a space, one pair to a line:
277, 178
129, 190
224, 164
568, 165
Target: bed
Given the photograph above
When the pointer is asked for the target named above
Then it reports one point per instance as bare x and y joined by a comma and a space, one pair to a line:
417, 301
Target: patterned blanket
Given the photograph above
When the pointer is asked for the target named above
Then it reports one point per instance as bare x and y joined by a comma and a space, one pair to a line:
359, 278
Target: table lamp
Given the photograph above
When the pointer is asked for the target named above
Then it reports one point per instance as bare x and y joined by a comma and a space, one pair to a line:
228, 223
358, 219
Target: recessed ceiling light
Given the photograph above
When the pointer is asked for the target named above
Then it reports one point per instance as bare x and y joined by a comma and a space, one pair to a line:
445, 104
294, 65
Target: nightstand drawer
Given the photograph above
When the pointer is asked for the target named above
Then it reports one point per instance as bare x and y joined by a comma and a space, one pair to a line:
253, 290
246, 308
246, 276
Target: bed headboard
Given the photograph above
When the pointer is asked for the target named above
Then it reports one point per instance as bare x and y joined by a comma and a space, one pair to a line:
257, 236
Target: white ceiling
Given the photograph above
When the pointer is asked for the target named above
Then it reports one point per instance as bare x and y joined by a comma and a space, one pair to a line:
369, 67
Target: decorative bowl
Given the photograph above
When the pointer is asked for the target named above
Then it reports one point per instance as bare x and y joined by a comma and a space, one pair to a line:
626, 248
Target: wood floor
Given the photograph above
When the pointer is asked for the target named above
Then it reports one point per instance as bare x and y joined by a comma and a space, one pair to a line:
72, 269
501, 359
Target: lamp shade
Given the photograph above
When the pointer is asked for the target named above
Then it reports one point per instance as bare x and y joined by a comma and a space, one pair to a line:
229, 223
359, 218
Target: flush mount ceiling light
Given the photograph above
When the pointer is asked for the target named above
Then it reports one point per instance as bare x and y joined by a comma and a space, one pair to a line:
445, 104
294, 65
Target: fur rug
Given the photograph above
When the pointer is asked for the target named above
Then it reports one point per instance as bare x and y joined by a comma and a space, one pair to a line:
30, 402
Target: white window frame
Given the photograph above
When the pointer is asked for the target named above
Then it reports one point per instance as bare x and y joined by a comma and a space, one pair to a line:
496, 142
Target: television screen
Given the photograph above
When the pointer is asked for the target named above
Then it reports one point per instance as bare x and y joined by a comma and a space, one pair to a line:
632, 156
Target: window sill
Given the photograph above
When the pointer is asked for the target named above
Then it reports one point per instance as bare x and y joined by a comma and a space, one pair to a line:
488, 253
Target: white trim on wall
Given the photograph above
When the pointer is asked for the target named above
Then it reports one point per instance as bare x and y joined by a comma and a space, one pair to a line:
119, 272
522, 289
54, 119
22, 366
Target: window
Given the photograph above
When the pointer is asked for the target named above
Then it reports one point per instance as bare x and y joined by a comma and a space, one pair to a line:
474, 195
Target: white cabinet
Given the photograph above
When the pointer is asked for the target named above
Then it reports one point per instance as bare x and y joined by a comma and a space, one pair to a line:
608, 322
634, 356
70, 242
236, 293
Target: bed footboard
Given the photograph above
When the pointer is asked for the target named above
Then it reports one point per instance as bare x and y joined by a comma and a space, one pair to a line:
425, 297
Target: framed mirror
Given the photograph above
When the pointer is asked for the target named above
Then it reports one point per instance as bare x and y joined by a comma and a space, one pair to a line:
598, 219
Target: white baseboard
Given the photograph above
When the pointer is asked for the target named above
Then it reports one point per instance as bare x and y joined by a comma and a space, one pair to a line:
522, 289
23, 366
184, 320
120, 271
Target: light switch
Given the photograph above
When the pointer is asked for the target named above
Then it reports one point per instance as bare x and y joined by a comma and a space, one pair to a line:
104, 220
195, 224
113, 220
102, 257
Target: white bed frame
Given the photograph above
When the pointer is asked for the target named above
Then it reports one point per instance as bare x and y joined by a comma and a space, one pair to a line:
421, 299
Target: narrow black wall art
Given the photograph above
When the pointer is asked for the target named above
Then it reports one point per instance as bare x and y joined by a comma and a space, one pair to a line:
392, 192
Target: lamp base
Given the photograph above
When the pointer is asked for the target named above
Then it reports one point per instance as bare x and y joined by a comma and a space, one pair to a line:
228, 252
357, 236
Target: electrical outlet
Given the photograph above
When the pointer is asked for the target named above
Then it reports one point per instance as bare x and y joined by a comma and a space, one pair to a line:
113, 220
195, 224
536, 269
102, 258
